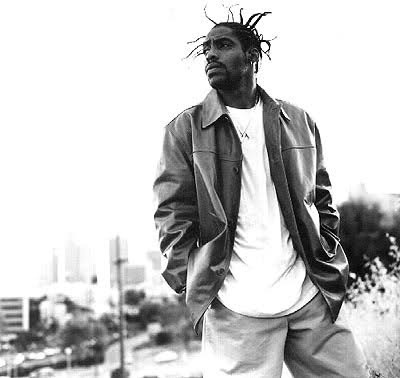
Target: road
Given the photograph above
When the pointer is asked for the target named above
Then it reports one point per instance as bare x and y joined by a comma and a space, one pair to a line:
111, 361
112, 354
141, 362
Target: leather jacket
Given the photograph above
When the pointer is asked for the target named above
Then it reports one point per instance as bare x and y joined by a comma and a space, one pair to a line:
197, 189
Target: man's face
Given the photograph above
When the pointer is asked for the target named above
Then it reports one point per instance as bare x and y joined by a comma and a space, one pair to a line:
227, 65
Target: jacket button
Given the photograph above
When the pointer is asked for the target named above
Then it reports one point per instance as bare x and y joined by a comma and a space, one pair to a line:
220, 272
236, 170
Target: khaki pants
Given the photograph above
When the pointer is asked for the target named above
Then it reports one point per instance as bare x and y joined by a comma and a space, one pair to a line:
311, 345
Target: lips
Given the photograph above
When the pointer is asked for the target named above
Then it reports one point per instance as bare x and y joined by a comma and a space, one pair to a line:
211, 66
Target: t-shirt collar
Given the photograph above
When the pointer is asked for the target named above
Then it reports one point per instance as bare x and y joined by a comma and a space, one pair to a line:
213, 108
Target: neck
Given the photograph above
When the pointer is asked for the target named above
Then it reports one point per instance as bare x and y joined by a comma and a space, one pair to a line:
244, 97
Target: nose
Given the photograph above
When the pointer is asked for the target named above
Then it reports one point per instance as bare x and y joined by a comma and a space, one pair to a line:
211, 54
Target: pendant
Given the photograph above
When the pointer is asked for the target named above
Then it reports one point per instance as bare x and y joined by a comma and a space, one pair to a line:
244, 135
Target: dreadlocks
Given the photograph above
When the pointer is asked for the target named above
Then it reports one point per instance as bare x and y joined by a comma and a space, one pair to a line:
246, 32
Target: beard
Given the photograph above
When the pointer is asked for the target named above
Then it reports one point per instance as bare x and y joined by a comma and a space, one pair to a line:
229, 79
226, 81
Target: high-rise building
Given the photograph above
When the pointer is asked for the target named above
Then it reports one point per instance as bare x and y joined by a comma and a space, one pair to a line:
73, 263
155, 283
14, 314
133, 274
79, 263
49, 272
143, 274
112, 264
155, 259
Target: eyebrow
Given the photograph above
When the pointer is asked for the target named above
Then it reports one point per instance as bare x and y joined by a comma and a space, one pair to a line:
216, 39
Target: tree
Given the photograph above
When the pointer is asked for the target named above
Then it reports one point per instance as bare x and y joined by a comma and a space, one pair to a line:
362, 234
110, 322
78, 333
74, 333
133, 297
70, 304
149, 312
27, 339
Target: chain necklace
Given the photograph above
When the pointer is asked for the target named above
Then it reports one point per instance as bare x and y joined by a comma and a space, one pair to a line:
243, 133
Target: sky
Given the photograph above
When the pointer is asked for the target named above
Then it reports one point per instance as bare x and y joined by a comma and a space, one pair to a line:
86, 88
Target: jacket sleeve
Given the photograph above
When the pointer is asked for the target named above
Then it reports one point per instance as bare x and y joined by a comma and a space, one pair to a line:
176, 215
328, 214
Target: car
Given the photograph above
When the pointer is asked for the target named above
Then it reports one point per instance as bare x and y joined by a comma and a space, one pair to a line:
36, 356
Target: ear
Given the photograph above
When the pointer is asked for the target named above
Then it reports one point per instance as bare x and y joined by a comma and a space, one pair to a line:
253, 55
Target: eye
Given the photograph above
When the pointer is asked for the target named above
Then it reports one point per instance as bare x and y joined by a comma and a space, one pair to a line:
206, 48
224, 44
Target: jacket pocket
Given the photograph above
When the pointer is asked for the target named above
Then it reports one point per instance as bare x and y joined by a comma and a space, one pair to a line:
299, 147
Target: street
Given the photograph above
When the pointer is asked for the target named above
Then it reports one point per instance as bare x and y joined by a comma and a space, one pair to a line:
142, 362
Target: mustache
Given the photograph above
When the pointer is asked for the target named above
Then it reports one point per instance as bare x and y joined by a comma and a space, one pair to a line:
211, 65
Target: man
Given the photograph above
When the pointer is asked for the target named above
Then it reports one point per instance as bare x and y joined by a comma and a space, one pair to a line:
247, 224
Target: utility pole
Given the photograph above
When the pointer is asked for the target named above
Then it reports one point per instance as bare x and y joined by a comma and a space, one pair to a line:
119, 260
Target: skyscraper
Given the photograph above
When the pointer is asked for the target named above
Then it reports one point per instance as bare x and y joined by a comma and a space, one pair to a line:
72, 263
79, 262
49, 269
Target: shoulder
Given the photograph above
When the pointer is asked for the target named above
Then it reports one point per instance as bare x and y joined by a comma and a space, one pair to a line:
185, 120
180, 129
297, 115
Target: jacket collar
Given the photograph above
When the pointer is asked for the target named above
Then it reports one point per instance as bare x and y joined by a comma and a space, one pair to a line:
213, 108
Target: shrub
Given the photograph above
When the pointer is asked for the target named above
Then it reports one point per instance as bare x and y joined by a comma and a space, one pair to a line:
149, 312
134, 297
363, 228
163, 338
381, 283
373, 312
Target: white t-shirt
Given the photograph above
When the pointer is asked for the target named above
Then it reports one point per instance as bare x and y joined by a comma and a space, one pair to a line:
266, 277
